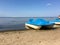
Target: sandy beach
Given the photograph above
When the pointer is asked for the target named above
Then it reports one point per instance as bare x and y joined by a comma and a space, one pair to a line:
30, 37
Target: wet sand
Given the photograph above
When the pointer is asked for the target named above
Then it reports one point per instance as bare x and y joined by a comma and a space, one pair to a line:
30, 37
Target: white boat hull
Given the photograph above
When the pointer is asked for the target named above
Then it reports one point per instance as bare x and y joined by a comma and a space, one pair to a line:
32, 26
57, 25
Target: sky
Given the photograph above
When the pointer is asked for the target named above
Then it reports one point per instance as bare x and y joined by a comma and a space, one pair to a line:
29, 8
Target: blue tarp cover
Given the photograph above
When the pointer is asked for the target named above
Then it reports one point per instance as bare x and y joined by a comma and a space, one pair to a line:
39, 22
56, 20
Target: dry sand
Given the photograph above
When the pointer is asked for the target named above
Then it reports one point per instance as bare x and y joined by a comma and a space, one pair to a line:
30, 37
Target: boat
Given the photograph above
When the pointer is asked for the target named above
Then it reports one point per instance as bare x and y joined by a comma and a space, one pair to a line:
57, 23
38, 24
31, 25
59, 16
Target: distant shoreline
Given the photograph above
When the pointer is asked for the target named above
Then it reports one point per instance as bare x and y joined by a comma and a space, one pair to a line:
28, 17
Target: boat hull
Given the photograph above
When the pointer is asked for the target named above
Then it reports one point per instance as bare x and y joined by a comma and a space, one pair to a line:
57, 25
28, 26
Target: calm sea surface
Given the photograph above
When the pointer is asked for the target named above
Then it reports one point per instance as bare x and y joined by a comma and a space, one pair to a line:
16, 23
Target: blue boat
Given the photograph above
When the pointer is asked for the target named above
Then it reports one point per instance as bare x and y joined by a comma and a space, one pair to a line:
38, 23
57, 22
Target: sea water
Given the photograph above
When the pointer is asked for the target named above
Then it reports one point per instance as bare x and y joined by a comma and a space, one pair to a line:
17, 23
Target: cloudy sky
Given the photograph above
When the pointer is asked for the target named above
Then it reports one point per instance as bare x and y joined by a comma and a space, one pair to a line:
29, 8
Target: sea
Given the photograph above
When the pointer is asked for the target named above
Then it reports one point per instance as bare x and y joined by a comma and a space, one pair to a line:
17, 23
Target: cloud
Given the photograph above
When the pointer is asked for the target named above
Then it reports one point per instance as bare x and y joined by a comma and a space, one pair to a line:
49, 4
